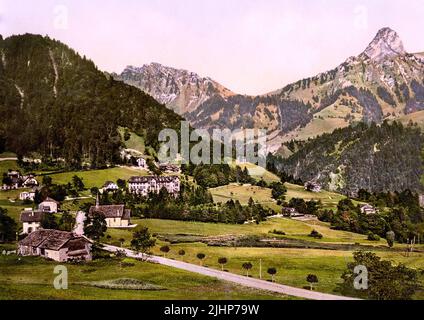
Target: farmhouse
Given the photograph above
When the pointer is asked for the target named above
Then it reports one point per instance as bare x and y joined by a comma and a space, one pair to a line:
27, 195
116, 216
29, 181
57, 245
142, 163
169, 168
31, 220
312, 186
49, 205
153, 184
368, 209
15, 180
110, 186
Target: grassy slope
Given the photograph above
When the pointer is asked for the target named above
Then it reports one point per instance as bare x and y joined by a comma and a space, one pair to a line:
293, 264
135, 142
263, 195
96, 178
32, 278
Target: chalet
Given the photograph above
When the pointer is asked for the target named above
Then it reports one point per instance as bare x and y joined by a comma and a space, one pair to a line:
142, 163
29, 181
368, 209
312, 186
169, 168
288, 212
153, 184
57, 245
291, 212
110, 186
27, 195
116, 216
31, 220
49, 205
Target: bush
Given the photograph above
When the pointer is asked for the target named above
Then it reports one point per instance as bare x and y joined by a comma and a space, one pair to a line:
315, 234
373, 237
279, 232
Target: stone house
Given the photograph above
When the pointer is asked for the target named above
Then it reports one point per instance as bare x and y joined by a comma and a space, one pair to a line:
61, 246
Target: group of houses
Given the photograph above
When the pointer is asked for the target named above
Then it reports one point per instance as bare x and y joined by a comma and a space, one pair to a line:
31, 219
13, 179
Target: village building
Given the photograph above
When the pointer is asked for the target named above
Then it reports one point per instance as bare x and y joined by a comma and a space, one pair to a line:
312, 186
110, 186
368, 209
49, 205
142, 163
116, 216
153, 184
169, 168
27, 195
57, 245
288, 212
15, 180
31, 220
29, 181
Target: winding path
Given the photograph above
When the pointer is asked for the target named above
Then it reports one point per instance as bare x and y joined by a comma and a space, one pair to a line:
231, 277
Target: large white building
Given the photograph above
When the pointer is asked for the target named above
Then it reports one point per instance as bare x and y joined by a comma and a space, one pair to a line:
153, 184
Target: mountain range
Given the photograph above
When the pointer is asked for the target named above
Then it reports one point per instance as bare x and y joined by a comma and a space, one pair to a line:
383, 82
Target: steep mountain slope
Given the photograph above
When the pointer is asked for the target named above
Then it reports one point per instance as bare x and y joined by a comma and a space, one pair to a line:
58, 104
180, 90
371, 157
383, 82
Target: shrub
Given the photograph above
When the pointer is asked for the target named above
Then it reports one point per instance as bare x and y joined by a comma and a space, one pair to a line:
315, 234
373, 237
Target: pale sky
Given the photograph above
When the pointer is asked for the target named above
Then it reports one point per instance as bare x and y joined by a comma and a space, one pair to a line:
250, 46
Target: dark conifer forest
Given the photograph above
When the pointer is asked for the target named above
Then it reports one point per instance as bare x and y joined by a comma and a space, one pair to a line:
58, 104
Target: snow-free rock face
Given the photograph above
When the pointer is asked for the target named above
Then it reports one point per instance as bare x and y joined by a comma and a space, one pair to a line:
386, 44
181, 90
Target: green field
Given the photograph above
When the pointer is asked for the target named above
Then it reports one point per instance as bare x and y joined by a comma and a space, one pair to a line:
293, 264
32, 278
97, 178
243, 193
263, 196
135, 142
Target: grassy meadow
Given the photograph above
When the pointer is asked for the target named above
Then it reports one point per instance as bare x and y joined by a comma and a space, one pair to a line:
31, 278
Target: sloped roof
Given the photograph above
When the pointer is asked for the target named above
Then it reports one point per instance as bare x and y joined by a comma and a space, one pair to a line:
31, 216
48, 199
51, 239
109, 211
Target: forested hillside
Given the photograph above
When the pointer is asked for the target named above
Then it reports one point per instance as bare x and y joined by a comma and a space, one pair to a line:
58, 104
377, 158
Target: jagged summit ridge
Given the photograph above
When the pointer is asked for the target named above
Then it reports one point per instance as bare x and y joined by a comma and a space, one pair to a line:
386, 44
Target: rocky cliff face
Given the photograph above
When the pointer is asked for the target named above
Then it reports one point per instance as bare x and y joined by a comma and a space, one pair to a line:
181, 90
383, 82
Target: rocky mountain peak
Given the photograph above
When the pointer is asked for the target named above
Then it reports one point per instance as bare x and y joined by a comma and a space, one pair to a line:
386, 44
